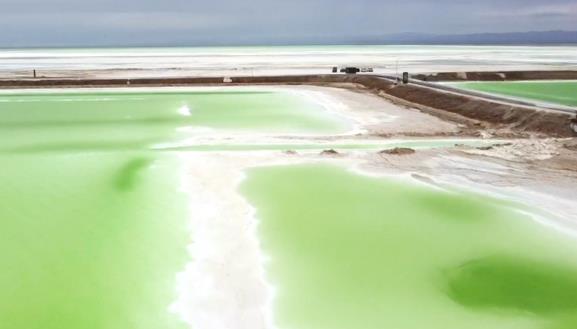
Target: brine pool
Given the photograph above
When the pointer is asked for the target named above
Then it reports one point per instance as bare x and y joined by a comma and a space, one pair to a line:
554, 92
97, 222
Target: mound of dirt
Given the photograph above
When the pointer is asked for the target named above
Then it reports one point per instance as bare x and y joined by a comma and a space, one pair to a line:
330, 152
490, 147
485, 148
398, 151
571, 145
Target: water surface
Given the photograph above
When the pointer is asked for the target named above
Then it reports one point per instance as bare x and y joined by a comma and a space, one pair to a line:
353, 251
554, 92
90, 240
94, 224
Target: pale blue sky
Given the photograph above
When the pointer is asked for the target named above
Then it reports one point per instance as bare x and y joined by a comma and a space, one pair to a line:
82, 22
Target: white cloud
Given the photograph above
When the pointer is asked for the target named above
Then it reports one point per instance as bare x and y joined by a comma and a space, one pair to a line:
69, 21
135, 21
555, 9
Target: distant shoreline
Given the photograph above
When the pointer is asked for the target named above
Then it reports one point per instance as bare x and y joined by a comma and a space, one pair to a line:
567, 44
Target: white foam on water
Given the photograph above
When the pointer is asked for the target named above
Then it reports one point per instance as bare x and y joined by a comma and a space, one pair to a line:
185, 111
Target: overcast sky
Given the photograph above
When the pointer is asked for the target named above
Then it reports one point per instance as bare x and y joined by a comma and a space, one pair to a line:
97, 22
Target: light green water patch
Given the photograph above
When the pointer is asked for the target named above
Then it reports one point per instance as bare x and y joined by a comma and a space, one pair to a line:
107, 146
147, 117
90, 241
351, 251
556, 92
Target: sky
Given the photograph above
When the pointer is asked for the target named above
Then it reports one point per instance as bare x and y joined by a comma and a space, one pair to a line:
189, 22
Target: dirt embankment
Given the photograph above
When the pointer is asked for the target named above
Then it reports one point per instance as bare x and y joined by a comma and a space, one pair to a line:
498, 115
497, 76
516, 118
153, 82
501, 115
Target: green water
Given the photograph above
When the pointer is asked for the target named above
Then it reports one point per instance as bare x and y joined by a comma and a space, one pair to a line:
90, 241
138, 120
351, 251
93, 225
556, 92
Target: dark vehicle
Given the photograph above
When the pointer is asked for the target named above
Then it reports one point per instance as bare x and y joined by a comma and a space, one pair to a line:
350, 70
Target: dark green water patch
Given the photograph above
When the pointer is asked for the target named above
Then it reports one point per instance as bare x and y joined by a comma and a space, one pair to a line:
504, 282
130, 173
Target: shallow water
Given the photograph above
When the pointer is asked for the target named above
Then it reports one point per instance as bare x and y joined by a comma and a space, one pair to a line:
129, 120
94, 222
555, 92
94, 225
349, 251
90, 240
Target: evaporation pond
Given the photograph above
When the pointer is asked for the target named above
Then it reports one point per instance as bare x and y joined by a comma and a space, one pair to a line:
115, 120
556, 92
94, 226
345, 250
91, 241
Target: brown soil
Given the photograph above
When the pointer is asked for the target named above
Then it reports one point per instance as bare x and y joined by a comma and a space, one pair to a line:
498, 76
485, 148
398, 151
571, 145
330, 152
518, 118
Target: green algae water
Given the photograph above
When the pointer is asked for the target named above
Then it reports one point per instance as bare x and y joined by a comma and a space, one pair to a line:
129, 120
556, 92
352, 251
253, 111
90, 241
94, 225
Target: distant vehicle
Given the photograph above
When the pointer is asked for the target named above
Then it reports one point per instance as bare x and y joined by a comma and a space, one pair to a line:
350, 70
353, 69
